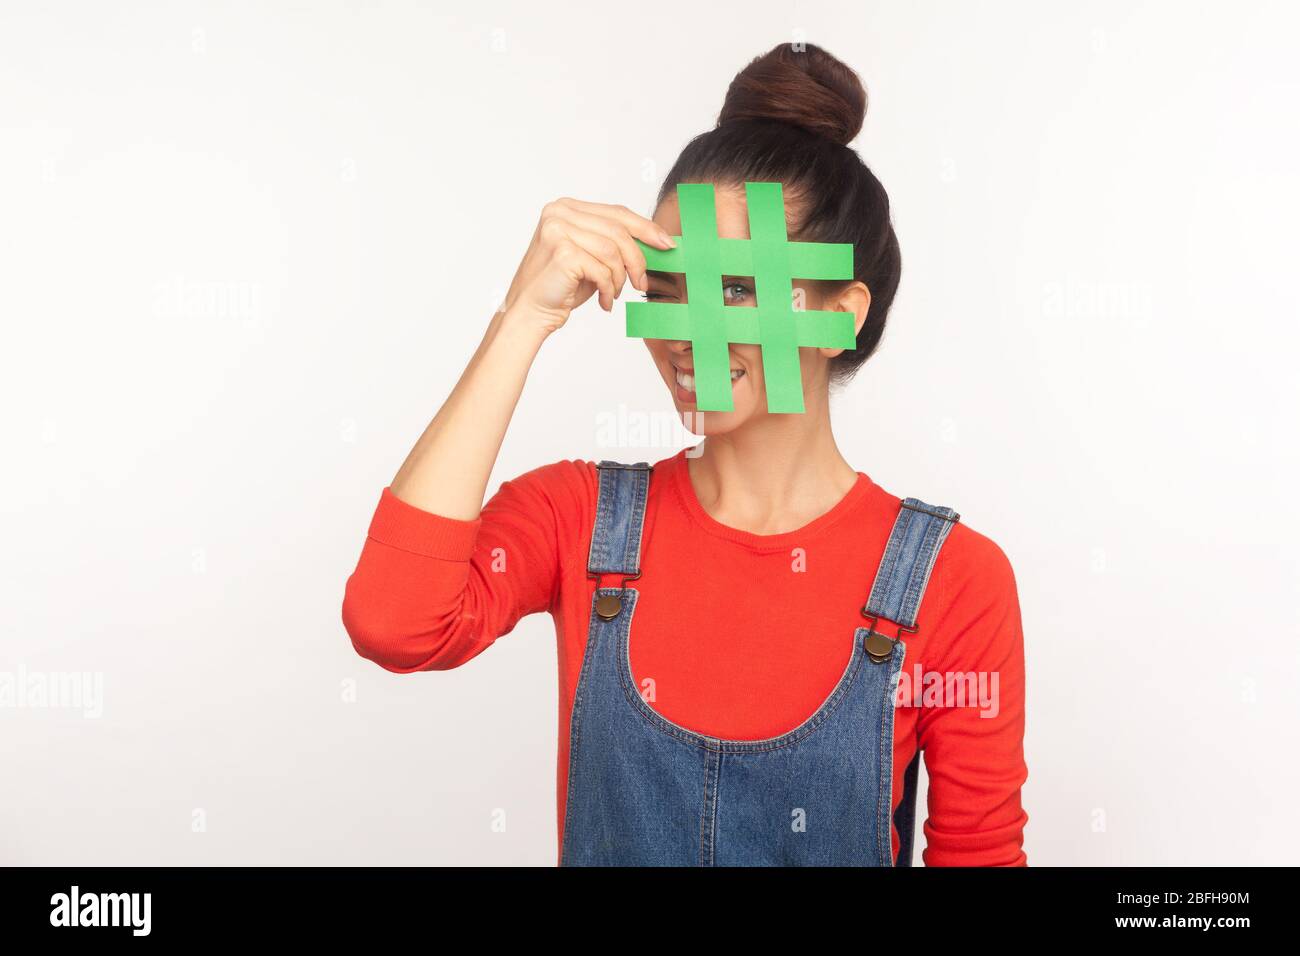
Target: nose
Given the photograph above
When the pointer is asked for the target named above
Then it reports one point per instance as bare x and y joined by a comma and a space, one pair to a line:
679, 348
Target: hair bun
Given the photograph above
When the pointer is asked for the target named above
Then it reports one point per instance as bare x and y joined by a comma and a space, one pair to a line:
808, 88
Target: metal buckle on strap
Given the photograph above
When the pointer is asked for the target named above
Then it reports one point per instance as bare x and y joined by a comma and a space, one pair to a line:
608, 606
880, 647
954, 517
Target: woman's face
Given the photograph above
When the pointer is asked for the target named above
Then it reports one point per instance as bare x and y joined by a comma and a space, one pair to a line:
674, 359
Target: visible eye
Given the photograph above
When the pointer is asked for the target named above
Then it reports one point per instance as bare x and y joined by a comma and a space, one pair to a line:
734, 292
658, 297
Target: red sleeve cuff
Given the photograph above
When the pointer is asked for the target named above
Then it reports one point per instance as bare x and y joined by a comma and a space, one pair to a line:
400, 525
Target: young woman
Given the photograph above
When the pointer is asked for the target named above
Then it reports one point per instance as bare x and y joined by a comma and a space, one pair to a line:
733, 624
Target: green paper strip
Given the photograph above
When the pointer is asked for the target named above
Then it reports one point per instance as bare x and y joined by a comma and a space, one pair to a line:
710, 326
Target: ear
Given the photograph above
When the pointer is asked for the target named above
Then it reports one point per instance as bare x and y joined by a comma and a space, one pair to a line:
854, 297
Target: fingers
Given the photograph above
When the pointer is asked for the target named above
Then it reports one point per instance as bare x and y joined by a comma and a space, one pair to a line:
642, 228
582, 266
559, 229
632, 257
605, 249
594, 243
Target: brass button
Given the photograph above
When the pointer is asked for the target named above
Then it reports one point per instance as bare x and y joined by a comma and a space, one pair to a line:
608, 606
879, 647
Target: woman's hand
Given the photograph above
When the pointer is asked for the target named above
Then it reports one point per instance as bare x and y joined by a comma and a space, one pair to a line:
580, 248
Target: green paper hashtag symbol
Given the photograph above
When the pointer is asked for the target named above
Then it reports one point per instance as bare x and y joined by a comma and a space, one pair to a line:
772, 323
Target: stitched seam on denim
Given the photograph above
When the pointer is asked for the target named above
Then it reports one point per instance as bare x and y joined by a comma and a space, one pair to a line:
704, 810
944, 531
918, 572
626, 557
599, 528
882, 785
886, 834
708, 812
706, 742
575, 723
616, 553
893, 550
641, 492
907, 580
898, 581
879, 603
922, 582
713, 813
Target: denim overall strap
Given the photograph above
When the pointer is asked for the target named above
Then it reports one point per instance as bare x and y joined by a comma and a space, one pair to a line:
919, 532
620, 513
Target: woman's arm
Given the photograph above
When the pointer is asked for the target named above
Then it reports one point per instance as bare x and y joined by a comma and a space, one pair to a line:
579, 249
430, 592
441, 576
974, 753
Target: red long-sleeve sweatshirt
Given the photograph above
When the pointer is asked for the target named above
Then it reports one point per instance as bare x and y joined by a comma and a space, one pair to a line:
752, 636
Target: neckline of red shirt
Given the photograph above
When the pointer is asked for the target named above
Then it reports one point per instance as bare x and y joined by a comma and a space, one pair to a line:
679, 476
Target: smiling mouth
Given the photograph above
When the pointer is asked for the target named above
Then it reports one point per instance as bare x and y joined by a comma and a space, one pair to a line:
686, 378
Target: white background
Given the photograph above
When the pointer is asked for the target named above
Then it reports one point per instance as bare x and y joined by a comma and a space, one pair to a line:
246, 249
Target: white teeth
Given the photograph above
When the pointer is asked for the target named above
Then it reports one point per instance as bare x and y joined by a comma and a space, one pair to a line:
687, 381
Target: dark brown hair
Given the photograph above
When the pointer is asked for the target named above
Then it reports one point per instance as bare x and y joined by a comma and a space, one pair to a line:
788, 117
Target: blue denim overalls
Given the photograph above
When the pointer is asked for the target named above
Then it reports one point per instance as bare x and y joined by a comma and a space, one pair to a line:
643, 791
